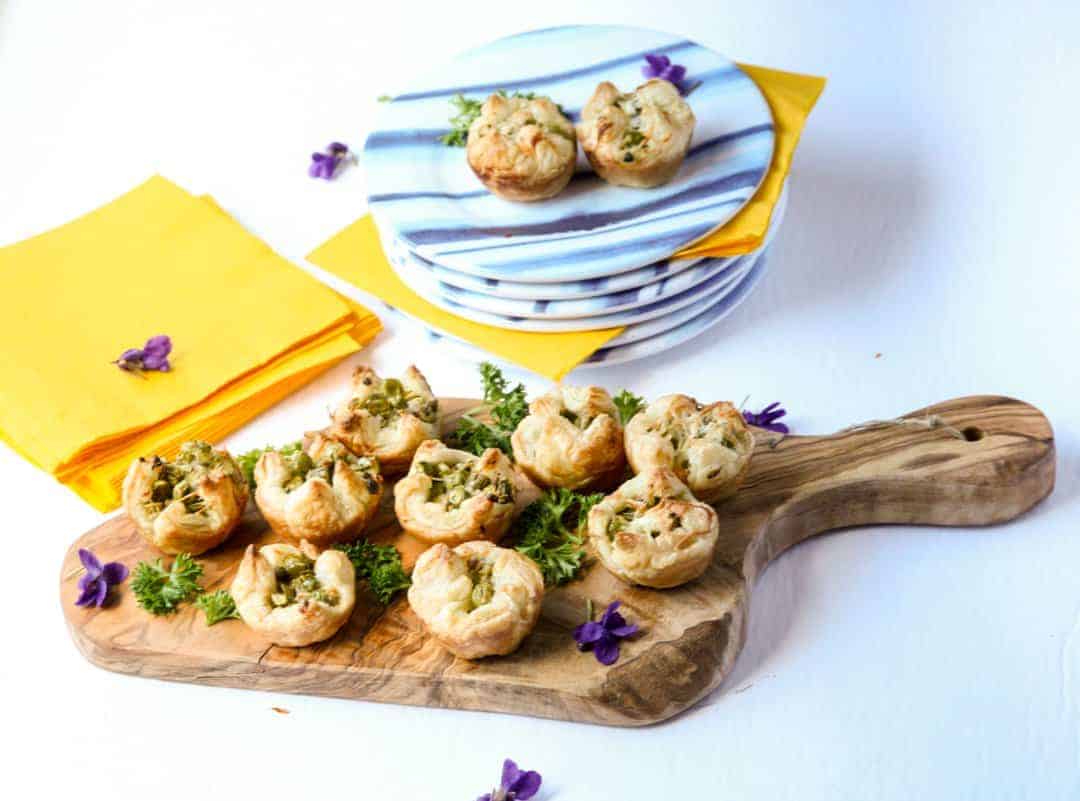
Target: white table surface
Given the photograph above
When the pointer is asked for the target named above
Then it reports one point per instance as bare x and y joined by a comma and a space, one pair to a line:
929, 252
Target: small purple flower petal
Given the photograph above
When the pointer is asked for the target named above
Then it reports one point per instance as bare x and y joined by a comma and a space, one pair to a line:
607, 651
767, 418
588, 633
675, 73
85, 580
88, 596
161, 345
657, 64
525, 786
90, 562
484, 797
629, 630
611, 615
337, 148
510, 773
114, 572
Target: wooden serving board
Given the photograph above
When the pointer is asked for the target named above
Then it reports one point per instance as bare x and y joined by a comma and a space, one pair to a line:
798, 486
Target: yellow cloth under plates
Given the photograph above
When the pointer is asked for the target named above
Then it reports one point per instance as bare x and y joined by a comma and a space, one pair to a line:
791, 98
247, 327
355, 255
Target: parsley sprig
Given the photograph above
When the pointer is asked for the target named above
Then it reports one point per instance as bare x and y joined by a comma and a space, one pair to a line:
468, 110
380, 566
248, 460
549, 532
217, 606
628, 405
160, 591
506, 407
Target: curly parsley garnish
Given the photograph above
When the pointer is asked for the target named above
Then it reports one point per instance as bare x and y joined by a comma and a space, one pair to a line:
248, 460
160, 591
468, 110
506, 407
218, 606
549, 533
380, 566
628, 405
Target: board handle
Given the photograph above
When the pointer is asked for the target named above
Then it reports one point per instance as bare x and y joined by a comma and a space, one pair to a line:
971, 461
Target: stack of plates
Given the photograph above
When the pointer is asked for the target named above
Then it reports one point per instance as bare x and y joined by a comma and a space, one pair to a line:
595, 256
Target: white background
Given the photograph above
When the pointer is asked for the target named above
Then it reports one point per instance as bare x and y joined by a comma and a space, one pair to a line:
933, 221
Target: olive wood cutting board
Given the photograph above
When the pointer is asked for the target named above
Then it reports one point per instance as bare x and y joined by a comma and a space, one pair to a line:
798, 486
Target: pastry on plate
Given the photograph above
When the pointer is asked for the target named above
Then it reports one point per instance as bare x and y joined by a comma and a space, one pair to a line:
322, 493
639, 138
452, 496
707, 447
294, 596
571, 438
652, 531
386, 417
476, 599
190, 504
522, 148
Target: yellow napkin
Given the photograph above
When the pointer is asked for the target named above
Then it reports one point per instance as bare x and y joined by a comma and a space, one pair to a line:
247, 329
791, 98
355, 255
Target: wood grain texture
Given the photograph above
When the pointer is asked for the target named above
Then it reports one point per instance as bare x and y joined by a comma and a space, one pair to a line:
798, 486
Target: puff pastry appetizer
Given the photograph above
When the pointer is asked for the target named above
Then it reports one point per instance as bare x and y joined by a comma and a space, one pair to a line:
653, 532
191, 504
451, 496
571, 438
323, 493
636, 139
476, 599
522, 148
707, 447
294, 595
386, 417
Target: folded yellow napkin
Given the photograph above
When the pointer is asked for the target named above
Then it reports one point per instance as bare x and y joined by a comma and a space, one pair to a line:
355, 255
791, 98
247, 329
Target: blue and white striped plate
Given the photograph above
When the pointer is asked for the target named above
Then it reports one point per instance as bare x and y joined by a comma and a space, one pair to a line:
426, 194
730, 272
619, 351
413, 271
523, 290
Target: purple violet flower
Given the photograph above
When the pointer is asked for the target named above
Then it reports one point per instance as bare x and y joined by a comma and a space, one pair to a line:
767, 418
602, 637
660, 66
324, 165
154, 355
94, 584
515, 785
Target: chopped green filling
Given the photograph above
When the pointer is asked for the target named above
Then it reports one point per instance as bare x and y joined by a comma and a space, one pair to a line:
392, 399
483, 585
453, 484
296, 582
176, 480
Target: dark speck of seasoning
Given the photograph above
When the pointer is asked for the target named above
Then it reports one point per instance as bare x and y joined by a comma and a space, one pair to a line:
280, 710
877, 355
628, 157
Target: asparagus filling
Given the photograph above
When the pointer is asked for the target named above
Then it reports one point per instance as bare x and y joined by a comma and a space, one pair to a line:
453, 484
296, 582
